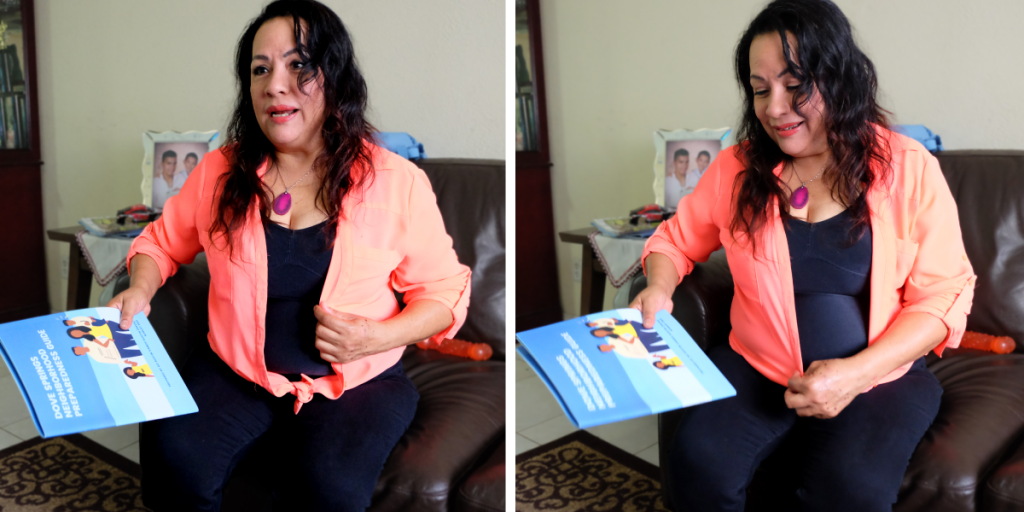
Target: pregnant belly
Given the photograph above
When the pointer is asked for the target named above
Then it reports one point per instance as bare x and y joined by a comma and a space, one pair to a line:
830, 326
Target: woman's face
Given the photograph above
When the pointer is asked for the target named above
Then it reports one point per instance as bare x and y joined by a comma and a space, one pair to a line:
797, 135
291, 118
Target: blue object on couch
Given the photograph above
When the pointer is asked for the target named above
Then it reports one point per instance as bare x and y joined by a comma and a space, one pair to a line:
918, 132
402, 144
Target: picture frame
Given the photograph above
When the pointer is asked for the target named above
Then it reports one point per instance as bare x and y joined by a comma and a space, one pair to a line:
675, 176
157, 185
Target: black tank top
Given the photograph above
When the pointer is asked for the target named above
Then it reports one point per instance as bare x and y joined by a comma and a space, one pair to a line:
297, 263
831, 286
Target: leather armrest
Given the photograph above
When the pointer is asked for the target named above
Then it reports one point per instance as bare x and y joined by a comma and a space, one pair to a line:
980, 419
459, 419
1004, 490
179, 311
702, 302
484, 490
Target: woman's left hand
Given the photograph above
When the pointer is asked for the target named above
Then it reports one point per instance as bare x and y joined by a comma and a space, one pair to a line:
826, 388
343, 337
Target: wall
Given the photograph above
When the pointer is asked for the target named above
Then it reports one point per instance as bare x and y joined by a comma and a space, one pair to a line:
617, 71
110, 70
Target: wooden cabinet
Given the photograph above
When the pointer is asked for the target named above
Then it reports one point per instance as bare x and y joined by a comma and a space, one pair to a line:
537, 299
23, 291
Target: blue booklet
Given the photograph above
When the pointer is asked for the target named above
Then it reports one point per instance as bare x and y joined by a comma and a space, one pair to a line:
79, 371
606, 367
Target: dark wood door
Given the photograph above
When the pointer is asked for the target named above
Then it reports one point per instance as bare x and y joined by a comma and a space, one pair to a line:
537, 299
23, 291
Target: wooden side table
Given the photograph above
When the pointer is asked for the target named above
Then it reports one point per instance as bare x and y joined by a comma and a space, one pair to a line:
79, 273
594, 277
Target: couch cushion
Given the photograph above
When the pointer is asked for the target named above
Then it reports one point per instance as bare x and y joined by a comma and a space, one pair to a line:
471, 196
987, 185
459, 420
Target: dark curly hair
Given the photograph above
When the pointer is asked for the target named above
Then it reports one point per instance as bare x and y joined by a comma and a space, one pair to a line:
325, 49
826, 59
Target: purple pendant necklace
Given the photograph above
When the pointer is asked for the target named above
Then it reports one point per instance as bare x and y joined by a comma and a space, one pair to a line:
283, 203
800, 196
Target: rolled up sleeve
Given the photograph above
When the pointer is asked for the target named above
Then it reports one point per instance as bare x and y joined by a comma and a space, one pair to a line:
173, 239
691, 235
430, 269
941, 280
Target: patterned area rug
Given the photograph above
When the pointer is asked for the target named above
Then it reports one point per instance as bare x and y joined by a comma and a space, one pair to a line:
67, 474
580, 472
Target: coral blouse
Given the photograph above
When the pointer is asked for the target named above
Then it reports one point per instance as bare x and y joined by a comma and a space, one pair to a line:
918, 263
390, 237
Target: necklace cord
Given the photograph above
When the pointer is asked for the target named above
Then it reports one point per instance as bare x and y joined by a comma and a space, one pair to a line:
802, 182
286, 188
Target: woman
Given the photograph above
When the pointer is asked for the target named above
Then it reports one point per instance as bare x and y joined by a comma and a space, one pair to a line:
309, 230
844, 245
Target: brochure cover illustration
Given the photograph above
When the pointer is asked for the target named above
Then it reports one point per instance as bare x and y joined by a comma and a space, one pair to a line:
606, 367
79, 371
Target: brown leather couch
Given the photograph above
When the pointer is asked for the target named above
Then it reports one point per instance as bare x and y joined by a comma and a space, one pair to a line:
972, 457
453, 455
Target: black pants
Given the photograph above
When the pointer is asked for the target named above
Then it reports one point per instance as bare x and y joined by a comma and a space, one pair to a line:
854, 461
330, 454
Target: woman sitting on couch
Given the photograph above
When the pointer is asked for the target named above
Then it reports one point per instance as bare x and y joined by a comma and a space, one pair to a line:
844, 245
309, 230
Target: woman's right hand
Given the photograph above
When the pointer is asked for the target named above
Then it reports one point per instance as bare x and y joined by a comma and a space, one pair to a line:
662, 279
130, 302
653, 299
145, 281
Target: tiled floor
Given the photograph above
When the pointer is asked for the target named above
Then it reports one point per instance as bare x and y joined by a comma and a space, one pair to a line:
16, 425
540, 420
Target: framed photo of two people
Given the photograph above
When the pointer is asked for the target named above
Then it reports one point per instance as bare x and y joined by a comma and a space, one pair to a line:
681, 158
169, 159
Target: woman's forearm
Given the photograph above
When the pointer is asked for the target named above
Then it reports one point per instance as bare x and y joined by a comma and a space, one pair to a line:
145, 274
910, 336
417, 322
661, 272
